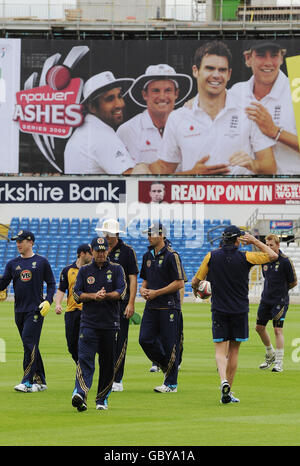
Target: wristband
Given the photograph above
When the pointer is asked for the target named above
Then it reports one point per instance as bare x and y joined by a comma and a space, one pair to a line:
278, 134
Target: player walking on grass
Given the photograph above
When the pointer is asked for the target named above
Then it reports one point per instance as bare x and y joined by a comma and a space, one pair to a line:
280, 277
163, 277
73, 311
227, 269
99, 286
123, 254
29, 271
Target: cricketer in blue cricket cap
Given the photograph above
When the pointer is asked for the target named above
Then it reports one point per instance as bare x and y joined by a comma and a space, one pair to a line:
23, 234
84, 247
99, 244
231, 233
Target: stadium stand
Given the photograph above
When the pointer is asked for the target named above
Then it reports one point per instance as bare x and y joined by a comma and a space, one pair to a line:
57, 239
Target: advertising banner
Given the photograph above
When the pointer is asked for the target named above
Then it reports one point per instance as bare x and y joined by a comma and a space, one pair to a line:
62, 191
149, 107
220, 192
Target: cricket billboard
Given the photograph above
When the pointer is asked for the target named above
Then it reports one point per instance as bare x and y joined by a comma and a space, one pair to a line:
188, 108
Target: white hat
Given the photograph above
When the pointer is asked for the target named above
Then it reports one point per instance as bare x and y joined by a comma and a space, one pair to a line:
104, 81
158, 72
110, 226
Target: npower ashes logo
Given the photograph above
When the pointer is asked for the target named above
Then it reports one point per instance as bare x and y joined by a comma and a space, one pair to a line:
52, 108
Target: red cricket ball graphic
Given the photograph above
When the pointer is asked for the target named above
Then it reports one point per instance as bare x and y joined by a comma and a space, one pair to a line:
58, 77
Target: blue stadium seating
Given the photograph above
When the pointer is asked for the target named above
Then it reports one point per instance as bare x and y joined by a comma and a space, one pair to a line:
57, 239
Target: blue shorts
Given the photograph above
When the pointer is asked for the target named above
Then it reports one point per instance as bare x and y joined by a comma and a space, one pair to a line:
230, 326
274, 312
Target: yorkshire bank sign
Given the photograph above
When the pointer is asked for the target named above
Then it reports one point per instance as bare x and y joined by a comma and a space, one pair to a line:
225, 192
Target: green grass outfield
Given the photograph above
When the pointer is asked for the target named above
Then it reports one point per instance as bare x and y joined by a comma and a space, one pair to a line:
268, 414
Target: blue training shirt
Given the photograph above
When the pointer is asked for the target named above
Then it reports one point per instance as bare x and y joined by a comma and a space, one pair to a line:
90, 279
279, 277
28, 276
159, 270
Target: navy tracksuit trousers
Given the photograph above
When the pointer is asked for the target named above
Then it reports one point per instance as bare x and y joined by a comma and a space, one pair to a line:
160, 340
30, 326
91, 342
121, 345
72, 326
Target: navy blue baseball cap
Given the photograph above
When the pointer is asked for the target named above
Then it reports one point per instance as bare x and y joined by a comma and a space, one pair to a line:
84, 248
99, 244
23, 234
232, 232
263, 44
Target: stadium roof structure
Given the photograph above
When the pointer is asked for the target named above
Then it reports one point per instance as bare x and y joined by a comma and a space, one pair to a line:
241, 21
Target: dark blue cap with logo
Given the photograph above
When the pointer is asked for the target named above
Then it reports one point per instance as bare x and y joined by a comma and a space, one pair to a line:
84, 248
99, 244
232, 232
23, 234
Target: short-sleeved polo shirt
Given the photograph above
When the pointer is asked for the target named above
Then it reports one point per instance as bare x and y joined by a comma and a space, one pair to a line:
191, 134
280, 106
159, 270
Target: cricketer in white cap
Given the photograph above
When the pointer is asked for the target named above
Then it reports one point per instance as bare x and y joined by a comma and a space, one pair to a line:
159, 90
94, 147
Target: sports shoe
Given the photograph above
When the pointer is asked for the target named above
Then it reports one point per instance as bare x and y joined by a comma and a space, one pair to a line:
225, 392
117, 387
101, 406
277, 367
270, 359
39, 387
154, 368
78, 402
233, 398
166, 388
24, 387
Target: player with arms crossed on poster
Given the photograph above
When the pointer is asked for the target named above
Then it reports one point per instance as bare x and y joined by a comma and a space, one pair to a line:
227, 269
214, 135
266, 97
159, 90
94, 147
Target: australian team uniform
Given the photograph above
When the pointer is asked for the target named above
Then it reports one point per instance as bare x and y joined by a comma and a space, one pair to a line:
100, 322
280, 277
227, 269
124, 255
160, 326
28, 276
73, 311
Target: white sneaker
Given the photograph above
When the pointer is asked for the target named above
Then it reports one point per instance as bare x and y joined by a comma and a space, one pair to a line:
24, 387
99, 406
270, 359
277, 367
117, 387
39, 387
154, 368
166, 388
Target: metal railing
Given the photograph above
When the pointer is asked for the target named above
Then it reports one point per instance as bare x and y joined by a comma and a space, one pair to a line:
174, 12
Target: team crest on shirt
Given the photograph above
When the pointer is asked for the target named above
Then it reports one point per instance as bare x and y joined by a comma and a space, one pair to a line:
34, 265
148, 263
25, 275
117, 255
109, 276
90, 280
171, 317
